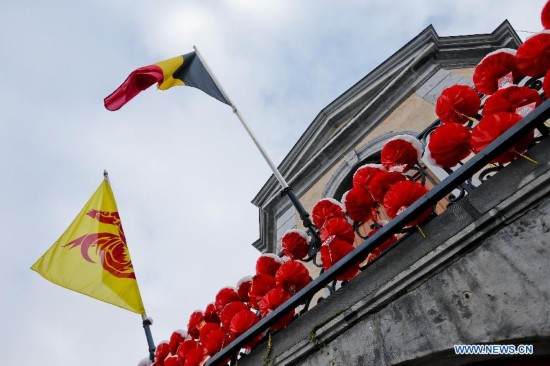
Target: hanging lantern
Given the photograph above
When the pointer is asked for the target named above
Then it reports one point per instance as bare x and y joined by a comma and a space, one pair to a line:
213, 338
338, 227
229, 312
325, 209
448, 145
492, 68
175, 340
512, 100
403, 194
196, 321
241, 322
224, 297
196, 356
185, 347
382, 183
292, 277
268, 263
171, 360
271, 301
358, 204
401, 152
533, 56
545, 15
364, 174
261, 284
457, 103
163, 349
295, 244
492, 126
334, 249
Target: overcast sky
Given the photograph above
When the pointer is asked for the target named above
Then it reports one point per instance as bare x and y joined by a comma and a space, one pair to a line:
182, 168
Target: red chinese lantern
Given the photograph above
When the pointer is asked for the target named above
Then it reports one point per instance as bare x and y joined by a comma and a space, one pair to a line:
261, 284
545, 15
382, 182
492, 68
172, 360
210, 314
400, 153
457, 103
241, 322
338, 227
196, 356
295, 244
364, 174
185, 347
229, 312
212, 338
359, 204
163, 349
325, 209
175, 340
196, 321
268, 263
224, 297
510, 99
492, 126
533, 56
403, 194
243, 286
292, 277
272, 300
334, 249
448, 145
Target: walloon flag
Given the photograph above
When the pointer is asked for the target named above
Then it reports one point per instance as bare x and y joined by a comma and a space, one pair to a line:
91, 256
181, 70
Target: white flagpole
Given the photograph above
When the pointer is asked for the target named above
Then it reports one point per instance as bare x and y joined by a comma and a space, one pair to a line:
276, 172
315, 243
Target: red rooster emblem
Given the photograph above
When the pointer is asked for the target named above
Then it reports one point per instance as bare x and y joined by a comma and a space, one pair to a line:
111, 248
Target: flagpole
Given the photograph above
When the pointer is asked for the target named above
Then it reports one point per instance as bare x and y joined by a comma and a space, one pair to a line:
304, 215
147, 322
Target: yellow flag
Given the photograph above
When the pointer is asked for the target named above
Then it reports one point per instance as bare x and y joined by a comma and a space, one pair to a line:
91, 257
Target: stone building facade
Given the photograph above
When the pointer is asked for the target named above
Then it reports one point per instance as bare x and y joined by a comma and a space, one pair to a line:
481, 274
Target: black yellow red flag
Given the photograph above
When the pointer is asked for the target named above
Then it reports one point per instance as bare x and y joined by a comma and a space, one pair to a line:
181, 70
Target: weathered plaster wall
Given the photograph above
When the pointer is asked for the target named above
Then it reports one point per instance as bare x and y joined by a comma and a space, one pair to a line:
415, 114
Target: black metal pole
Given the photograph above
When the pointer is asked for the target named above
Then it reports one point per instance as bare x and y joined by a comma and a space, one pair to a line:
313, 232
147, 327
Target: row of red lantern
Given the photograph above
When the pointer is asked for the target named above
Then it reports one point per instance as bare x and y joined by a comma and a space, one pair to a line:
234, 311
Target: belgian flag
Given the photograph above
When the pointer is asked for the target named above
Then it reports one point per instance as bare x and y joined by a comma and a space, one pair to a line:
181, 70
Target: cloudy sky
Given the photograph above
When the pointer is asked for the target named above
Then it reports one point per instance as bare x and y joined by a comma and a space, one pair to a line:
182, 168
